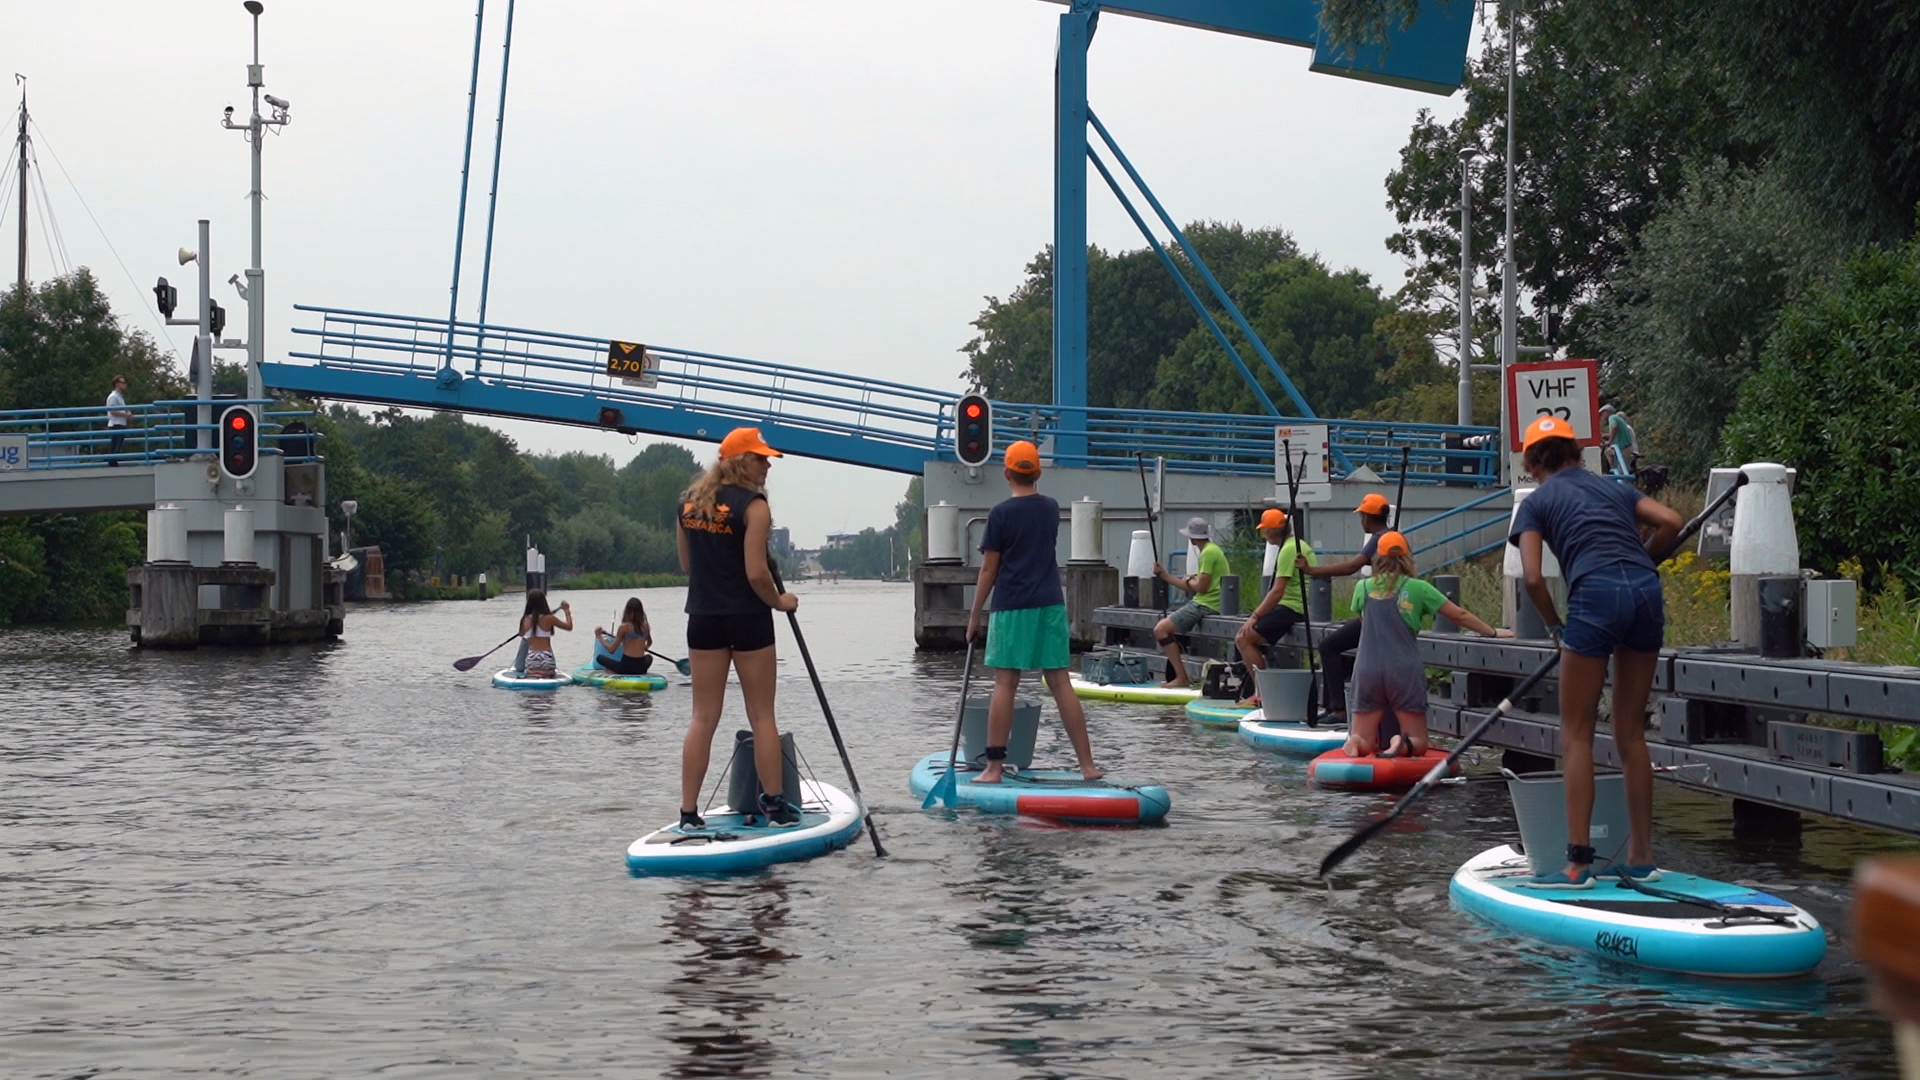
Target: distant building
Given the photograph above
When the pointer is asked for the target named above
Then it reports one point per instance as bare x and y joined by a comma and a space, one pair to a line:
836, 541
780, 539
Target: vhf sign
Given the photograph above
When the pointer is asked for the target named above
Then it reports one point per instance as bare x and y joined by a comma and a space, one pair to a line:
1568, 389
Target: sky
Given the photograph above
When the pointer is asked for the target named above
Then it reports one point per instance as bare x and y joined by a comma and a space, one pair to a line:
834, 184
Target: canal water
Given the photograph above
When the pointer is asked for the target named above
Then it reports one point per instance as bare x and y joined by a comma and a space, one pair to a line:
350, 859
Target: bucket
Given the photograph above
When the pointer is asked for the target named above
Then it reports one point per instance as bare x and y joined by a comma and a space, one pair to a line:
1284, 692
743, 781
1026, 728
1540, 805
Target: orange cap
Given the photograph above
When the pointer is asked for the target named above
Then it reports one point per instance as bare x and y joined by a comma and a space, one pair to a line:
1392, 542
1375, 504
1273, 518
746, 440
1547, 427
1023, 457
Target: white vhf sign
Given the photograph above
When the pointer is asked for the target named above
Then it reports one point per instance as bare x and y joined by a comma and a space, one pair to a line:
1568, 389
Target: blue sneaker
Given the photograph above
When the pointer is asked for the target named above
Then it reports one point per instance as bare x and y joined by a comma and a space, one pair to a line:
1560, 879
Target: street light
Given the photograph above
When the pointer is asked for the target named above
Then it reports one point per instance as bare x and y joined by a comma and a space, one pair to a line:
349, 507
1467, 154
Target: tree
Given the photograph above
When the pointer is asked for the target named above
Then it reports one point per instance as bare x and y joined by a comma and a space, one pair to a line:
61, 346
1835, 399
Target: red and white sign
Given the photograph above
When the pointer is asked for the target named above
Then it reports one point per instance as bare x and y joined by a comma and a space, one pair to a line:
1568, 389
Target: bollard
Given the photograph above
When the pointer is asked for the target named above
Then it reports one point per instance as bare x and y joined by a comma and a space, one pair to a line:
1130, 592
1229, 594
943, 535
1320, 600
1779, 600
1449, 586
1516, 607
1087, 538
483, 586
1160, 593
1764, 544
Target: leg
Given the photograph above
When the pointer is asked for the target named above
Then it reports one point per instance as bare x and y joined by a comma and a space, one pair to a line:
757, 674
1363, 737
1580, 682
709, 697
1413, 728
1252, 650
1006, 684
1072, 717
1632, 682
1164, 633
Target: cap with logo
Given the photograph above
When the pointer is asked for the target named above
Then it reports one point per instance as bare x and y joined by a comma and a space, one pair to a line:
1375, 504
1547, 427
746, 440
1273, 518
1393, 543
1023, 457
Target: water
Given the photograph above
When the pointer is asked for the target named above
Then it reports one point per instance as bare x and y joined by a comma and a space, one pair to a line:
343, 860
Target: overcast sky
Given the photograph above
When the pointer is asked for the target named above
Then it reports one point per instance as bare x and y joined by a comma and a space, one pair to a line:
834, 184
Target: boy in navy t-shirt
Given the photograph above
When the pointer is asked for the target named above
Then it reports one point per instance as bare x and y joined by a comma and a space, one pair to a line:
1028, 628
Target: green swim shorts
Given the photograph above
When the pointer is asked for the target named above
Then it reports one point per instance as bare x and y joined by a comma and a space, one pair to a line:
1028, 639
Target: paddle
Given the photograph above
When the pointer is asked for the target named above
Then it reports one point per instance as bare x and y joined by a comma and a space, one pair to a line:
468, 663
948, 786
1400, 499
684, 667
1439, 771
820, 692
1300, 579
1146, 500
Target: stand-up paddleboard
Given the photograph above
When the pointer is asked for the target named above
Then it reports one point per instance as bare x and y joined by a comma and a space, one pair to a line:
1731, 931
829, 820
1335, 769
1135, 693
1290, 736
595, 675
1060, 794
1217, 713
512, 679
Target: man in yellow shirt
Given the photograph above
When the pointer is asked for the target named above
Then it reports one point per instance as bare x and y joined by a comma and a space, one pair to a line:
1275, 615
1203, 586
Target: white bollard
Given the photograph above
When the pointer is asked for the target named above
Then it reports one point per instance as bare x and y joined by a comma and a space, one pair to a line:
1764, 543
1088, 544
167, 534
1140, 555
1516, 607
943, 534
239, 537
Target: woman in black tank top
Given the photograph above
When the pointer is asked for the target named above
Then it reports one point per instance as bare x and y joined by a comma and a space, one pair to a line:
722, 533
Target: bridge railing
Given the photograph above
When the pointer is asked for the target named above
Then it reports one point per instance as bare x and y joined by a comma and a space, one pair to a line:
79, 438
729, 388
1242, 444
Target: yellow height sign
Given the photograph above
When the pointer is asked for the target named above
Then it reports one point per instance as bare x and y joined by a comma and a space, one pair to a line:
631, 363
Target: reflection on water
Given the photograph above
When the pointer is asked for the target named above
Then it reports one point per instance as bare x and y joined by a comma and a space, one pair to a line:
344, 860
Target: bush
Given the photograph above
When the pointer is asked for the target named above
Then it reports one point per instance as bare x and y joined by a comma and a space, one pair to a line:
1835, 399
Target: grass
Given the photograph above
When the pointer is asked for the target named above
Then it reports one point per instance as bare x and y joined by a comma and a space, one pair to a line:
615, 579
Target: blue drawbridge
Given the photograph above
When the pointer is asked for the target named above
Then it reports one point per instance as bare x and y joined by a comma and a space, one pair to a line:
413, 362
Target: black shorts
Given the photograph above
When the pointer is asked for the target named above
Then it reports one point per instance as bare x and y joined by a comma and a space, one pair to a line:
623, 664
1277, 624
741, 633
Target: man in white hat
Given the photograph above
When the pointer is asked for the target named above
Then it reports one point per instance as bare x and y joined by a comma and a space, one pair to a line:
1203, 588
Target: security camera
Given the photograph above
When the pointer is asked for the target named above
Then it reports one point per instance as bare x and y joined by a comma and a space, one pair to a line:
277, 103
228, 115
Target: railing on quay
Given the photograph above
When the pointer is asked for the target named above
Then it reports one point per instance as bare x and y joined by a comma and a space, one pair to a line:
79, 438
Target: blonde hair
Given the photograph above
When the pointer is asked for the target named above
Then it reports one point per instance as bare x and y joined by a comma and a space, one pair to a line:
703, 493
1395, 568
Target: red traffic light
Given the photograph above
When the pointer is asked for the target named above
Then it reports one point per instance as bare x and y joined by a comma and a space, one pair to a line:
239, 422
973, 409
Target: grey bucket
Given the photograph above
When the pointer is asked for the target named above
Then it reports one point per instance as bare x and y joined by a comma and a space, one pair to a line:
1540, 805
743, 785
1284, 692
1026, 729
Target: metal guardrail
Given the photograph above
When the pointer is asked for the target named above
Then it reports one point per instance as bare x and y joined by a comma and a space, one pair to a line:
78, 438
868, 421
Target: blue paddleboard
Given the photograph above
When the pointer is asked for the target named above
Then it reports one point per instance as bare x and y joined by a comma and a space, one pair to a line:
510, 679
1290, 737
1216, 713
1060, 794
829, 820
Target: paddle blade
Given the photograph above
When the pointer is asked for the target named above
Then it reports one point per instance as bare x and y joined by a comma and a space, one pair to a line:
468, 663
684, 667
943, 792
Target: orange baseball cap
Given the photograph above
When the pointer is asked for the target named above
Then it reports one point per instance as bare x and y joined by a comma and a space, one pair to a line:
1375, 503
746, 440
1547, 427
1273, 518
1392, 542
1023, 457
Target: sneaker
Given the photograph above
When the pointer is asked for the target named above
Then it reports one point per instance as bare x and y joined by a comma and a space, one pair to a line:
1643, 874
778, 812
1560, 879
691, 819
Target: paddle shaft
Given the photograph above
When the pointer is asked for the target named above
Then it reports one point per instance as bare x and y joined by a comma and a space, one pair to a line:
819, 691
1439, 771
467, 663
943, 789
1400, 499
1146, 500
1300, 580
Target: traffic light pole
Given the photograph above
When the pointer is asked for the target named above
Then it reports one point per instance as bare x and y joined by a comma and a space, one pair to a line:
203, 345
254, 292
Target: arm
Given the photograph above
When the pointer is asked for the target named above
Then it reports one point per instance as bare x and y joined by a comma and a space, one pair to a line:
1342, 568
983, 585
759, 524
1531, 548
1664, 522
1462, 617
680, 542
1192, 584
566, 612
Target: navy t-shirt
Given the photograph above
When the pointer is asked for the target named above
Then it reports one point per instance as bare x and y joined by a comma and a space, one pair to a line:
1025, 530
1586, 519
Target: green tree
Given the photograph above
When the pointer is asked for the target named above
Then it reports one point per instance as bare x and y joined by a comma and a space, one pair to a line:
1835, 399
61, 346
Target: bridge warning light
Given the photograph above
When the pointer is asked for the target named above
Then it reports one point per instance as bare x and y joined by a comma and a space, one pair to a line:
216, 318
239, 442
973, 429
168, 298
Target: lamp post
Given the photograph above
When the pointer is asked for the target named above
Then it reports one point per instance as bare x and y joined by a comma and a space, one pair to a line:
1509, 286
1467, 154
349, 507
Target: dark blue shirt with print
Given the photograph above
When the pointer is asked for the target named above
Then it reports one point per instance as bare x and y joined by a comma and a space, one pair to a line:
1586, 519
1025, 530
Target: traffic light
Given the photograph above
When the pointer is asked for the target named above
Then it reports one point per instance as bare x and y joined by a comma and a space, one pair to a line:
239, 441
216, 318
168, 297
973, 429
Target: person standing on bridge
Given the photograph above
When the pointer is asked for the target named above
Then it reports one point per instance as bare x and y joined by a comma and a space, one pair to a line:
118, 416
1618, 437
1275, 616
722, 534
1028, 629
1374, 511
1615, 610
